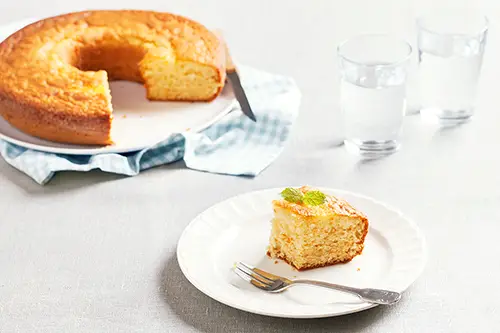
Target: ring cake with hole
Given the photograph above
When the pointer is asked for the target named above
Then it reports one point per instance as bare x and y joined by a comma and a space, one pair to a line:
54, 73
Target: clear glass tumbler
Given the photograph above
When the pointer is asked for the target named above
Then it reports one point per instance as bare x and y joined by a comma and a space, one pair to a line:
450, 55
373, 71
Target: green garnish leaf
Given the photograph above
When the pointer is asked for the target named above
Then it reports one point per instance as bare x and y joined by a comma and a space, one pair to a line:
292, 195
311, 198
314, 198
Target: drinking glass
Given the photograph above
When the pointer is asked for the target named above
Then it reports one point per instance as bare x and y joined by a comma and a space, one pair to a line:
373, 73
450, 54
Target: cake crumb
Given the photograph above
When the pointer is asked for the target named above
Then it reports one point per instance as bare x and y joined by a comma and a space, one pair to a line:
276, 261
188, 129
124, 116
358, 269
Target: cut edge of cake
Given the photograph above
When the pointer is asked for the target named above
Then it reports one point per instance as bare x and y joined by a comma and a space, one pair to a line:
312, 236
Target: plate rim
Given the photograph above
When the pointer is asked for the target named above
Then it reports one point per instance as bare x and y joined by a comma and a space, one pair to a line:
231, 105
109, 149
365, 306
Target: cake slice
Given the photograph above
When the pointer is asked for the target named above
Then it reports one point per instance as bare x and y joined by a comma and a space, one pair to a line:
311, 229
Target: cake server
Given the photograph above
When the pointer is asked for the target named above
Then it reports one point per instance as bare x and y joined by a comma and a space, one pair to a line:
275, 284
234, 78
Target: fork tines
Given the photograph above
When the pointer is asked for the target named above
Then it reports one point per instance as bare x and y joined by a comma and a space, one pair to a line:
247, 273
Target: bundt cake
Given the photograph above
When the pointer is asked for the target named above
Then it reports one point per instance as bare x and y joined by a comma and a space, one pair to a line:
54, 73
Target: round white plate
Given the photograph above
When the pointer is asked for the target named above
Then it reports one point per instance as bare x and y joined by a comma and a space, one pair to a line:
138, 123
238, 229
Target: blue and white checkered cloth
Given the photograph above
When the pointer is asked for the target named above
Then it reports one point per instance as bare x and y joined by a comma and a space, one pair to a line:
234, 145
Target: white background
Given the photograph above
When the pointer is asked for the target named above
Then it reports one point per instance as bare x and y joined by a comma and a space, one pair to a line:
95, 252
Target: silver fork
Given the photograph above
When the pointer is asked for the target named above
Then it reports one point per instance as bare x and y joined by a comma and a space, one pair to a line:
276, 284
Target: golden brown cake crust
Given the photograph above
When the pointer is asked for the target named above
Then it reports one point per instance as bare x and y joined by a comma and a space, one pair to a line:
41, 122
48, 87
332, 205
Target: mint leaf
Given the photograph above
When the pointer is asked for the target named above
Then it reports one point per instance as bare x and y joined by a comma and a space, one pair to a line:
292, 195
314, 198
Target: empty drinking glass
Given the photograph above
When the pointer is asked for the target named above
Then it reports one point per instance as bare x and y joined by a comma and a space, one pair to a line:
450, 48
373, 72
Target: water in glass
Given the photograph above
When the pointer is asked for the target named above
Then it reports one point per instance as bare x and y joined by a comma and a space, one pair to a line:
449, 83
373, 110
450, 60
373, 93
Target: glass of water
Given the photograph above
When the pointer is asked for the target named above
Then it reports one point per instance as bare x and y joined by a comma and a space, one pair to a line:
373, 71
450, 48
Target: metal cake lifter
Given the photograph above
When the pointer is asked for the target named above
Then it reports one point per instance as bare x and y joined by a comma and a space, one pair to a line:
234, 78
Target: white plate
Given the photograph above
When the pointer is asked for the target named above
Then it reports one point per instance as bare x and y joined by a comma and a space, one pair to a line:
238, 229
138, 123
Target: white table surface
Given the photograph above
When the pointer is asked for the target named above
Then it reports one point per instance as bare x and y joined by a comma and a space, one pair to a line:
93, 252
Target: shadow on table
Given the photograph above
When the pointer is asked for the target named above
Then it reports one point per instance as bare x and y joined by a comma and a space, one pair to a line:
67, 181
338, 146
449, 130
207, 315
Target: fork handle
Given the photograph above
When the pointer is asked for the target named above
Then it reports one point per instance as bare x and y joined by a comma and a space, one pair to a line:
377, 296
